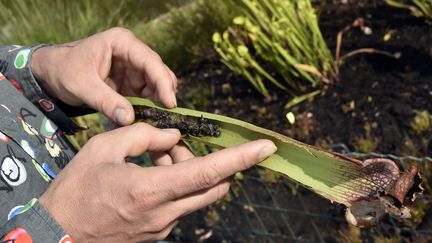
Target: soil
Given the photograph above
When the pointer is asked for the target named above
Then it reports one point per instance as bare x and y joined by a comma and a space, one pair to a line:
370, 108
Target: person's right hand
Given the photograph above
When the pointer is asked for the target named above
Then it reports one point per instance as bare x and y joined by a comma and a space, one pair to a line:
99, 197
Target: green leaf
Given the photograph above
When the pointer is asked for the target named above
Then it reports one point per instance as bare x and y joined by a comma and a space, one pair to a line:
299, 99
333, 176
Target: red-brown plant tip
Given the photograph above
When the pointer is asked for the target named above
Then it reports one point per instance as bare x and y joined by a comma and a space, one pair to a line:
367, 213
407, 185
389, 190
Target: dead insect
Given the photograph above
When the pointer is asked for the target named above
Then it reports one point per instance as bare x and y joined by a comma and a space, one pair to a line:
202, 120
187, 126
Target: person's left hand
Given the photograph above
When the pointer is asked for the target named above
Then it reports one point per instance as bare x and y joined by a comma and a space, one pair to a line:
100, 197
98, 70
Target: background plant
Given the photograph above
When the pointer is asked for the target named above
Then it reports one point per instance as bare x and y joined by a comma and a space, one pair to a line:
171, 27
418, 8
27, 22
57, 21
185, 32
283, 34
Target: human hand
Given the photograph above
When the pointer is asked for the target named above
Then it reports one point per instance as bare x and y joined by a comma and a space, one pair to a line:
99, 197
98, 70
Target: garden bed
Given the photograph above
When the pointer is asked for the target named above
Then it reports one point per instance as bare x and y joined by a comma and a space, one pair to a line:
369, 109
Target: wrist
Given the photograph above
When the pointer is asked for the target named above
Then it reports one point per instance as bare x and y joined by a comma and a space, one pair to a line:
38, 62
59, 214
43, 64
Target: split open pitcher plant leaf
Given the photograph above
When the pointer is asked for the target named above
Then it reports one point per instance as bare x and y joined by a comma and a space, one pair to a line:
369, 189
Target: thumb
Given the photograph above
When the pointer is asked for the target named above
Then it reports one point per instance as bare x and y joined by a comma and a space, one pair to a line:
109, 102
133, 140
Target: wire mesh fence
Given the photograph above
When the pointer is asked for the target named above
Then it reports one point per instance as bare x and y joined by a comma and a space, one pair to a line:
263, 207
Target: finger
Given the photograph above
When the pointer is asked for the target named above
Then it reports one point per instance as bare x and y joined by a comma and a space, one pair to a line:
151, 233
131, 50
173, 77
205, 172
163, 91
135, 81
180, 153
132, 140
193, 202
161, 158
176, 154
198, 200
107, 101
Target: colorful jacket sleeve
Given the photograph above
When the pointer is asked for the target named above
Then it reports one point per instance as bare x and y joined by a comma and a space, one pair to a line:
34, 224
15, 65
33, 150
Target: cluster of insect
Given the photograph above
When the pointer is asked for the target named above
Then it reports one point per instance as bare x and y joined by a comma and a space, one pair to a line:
188, 126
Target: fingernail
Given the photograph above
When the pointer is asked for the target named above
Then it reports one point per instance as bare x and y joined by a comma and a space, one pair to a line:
171, 130
120, 115
267, 151
174, 99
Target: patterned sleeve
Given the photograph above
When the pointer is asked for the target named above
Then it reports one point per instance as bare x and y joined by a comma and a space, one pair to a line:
33, 150
15, 66
36, 225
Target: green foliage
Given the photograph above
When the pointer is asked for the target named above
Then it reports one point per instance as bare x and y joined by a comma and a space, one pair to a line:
277, 41
185, 32
177, 29
422, 122
27, 22
154, 8
366, 143
57, 21
418, 8
94, 122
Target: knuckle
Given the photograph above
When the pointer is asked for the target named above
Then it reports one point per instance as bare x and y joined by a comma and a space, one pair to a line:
164, 234
151, 54
208, 177
160, 224
148, 133
135, 194
139, 195
142, 126
96, 140
101, 102
242, 158
174, 78
222, 191
156, 56
171, 193
120, 31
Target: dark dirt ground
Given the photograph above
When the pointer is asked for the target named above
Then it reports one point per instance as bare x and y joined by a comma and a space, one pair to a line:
385, 91
369, 109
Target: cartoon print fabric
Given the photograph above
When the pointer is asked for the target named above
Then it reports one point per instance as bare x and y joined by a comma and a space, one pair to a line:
18, 235
12, 170
35, 225
14, 64
33, 150
26, 153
